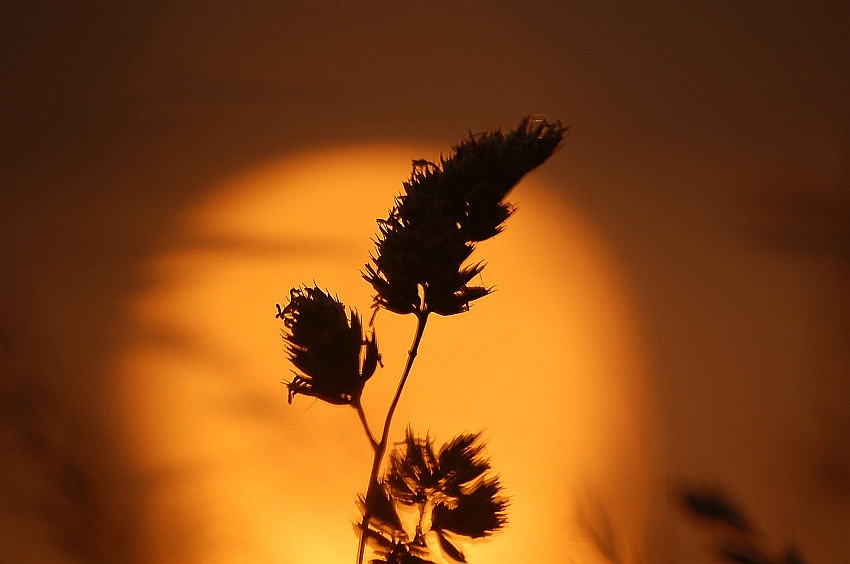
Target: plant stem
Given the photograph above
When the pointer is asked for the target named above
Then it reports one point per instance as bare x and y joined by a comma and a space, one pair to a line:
362, 414
381, 447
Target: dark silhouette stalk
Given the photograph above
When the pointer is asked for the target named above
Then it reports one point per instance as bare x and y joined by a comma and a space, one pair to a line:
420, 265
362, 414
381, 447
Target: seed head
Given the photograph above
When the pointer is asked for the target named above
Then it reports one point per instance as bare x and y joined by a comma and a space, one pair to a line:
328, 347
420, 260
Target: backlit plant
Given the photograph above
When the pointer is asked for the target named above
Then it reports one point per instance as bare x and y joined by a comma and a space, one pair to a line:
420, 266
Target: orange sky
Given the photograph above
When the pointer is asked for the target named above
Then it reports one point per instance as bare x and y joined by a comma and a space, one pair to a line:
703, 190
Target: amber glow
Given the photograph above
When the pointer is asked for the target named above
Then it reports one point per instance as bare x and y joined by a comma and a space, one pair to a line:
549, 367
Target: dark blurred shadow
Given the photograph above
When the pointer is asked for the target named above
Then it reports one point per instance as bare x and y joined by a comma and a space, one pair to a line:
733, 537
67, 495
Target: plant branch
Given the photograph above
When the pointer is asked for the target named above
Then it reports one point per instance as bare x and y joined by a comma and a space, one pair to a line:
362, 414
381, 448
421, 319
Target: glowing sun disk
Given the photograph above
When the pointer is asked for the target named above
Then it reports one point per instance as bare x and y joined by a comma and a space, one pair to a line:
549, 366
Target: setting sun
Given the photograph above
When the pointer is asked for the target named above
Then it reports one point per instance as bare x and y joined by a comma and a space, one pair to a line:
549, 367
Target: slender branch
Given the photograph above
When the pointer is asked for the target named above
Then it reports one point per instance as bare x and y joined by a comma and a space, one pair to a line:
362, 414
421, 319
381, 448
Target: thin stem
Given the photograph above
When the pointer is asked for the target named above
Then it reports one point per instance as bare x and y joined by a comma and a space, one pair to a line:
362, 414
421, 319
422, 508
381, 448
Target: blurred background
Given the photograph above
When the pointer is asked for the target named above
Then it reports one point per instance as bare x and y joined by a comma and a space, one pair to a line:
673, 301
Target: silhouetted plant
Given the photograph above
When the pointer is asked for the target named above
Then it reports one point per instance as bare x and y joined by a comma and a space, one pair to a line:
326, 347
451, 491
420, 266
